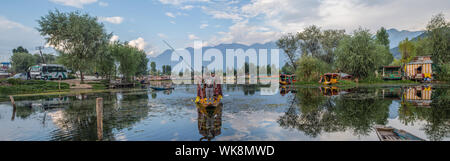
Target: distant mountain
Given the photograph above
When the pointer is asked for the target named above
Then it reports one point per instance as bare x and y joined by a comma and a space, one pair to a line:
396, 36
395, 51
165, 57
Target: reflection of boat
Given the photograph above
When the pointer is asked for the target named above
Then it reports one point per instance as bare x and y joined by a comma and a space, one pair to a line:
393, 134
329, 78
162, 88
287, 79
286, 89
209, 121
203, 101
330, 91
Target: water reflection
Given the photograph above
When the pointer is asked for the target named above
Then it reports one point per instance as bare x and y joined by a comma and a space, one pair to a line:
359, 109
296, 113
209, 121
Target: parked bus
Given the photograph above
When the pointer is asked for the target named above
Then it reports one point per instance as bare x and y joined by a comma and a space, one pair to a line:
48, 72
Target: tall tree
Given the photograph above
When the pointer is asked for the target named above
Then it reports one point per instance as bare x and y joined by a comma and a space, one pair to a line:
330, 40
439, 33
382, 37
289, 44
20, 49
407, 50
357, 54
310, 41
20, 62
153, 68
78, 36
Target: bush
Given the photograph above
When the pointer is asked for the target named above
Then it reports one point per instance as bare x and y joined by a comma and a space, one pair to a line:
444, 72
310, 69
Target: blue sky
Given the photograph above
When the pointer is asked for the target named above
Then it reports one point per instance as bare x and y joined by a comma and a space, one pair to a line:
145, 23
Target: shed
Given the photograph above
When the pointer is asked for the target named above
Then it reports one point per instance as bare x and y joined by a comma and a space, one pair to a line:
392, 72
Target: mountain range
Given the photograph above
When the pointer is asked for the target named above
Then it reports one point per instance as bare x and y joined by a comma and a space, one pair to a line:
395, 36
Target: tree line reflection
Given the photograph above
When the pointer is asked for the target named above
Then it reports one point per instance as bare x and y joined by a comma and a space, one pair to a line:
323, 110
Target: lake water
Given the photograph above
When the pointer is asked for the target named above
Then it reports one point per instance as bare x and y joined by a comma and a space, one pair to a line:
296, 113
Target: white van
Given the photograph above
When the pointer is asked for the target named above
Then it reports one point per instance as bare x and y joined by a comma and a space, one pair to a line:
48, 72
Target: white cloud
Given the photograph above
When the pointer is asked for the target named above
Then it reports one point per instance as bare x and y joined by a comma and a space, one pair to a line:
187, 7
113, 20
14, 34
161, 35
103, 4
114, 38
246, 34
138, 43
180, 2
192, 37
74, 3
172, 22
170, 14
202, 26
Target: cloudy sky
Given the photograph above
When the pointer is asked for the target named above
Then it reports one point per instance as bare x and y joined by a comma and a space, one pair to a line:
145, 23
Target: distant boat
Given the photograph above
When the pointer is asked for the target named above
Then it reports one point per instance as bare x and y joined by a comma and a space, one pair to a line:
162, 88
392, 134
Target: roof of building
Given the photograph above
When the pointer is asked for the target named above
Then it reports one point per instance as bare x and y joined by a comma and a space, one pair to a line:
421, 60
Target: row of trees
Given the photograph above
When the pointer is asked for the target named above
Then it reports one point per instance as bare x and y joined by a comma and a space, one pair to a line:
21, 59
313, 51
84, 46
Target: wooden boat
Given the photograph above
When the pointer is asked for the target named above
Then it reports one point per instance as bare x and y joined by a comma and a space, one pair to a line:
162, 88
329, 78
392, 134
287, 79
202, 101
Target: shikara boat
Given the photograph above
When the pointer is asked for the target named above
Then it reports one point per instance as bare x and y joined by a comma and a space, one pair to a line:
392, 134
202, 101
330, 78
287, 79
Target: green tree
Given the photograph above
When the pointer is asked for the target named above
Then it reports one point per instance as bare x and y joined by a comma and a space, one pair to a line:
382, 37
20, 49
357, 54
407, 50
130, 60
311, 68
330, 40
289, 44
75, 35
438, 30
20, 62
153, 68
310, 41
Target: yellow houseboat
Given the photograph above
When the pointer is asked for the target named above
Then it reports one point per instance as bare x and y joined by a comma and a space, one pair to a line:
329, 78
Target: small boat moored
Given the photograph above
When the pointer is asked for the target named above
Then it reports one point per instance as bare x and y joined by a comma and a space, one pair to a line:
162, 88
392, 134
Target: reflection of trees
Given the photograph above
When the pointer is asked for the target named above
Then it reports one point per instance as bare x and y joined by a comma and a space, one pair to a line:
319, 114
79, 122
437, 117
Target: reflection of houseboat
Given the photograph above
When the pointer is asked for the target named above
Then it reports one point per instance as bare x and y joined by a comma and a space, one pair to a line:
287, 79
209, 121
392, 73
418, 96
392, 93
329, 91
285, 89
329, 78
419, 68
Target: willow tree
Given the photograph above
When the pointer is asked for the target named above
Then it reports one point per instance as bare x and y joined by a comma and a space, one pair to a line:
289, 44
77, 37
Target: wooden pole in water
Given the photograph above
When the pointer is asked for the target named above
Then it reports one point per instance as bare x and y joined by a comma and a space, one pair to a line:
14, 108
99, 109
59, 83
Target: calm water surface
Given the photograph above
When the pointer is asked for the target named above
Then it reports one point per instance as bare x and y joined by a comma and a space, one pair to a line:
300, 113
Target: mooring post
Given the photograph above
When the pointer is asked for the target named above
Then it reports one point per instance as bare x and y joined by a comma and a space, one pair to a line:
99, 109
59, 84
14, 108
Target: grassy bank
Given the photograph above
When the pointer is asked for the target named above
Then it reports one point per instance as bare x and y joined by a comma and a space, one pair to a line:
363, 82
17, 86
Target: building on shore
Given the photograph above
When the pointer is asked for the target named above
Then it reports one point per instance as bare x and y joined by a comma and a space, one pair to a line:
419, 68
392, 73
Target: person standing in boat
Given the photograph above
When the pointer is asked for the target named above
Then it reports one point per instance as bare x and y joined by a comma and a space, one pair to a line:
210, 84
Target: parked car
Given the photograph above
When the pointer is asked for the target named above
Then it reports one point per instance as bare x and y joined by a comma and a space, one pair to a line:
22, 76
